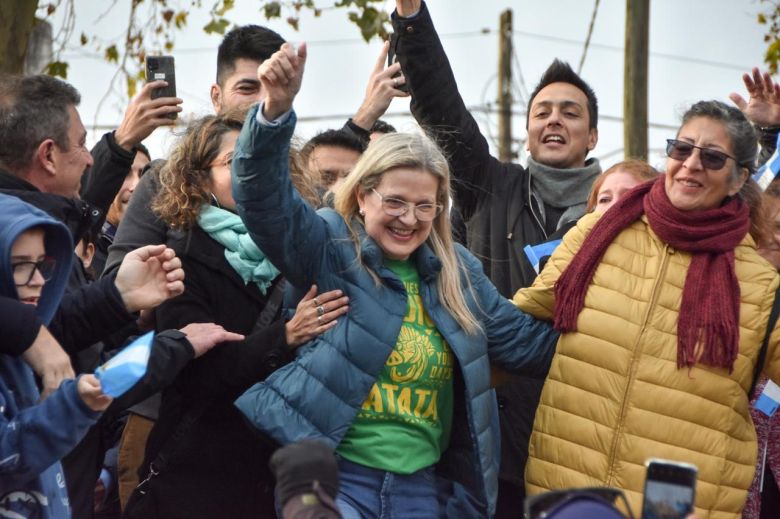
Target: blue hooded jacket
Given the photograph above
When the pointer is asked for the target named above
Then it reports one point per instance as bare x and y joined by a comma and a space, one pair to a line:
35, 436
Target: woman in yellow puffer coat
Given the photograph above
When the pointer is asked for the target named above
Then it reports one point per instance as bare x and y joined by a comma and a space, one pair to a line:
663, 304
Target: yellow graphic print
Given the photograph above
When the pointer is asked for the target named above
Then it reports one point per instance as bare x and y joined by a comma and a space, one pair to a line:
418, 367
410, 358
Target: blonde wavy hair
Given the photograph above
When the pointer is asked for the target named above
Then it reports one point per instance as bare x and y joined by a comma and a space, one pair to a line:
413, 151
185, 179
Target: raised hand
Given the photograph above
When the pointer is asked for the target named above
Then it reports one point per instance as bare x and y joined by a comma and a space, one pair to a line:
763, 106
49, 361
280, 77
204, 336
407, 8
148, 276
144, 115
315, 315
381, 89
88, 387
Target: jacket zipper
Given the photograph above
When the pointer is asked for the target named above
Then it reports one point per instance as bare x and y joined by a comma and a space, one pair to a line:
532, 206
635, 354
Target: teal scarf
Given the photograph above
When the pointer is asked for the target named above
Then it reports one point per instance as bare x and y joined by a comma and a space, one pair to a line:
244, 256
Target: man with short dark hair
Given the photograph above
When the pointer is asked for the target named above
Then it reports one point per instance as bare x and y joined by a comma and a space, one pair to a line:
330, 155
505, 206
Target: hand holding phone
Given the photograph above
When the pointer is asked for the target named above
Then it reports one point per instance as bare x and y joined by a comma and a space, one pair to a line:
670, 489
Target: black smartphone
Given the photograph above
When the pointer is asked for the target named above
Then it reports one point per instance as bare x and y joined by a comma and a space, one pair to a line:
162, 67
670, 489
391, 58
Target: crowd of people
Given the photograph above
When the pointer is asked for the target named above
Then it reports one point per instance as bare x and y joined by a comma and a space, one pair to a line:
351, 327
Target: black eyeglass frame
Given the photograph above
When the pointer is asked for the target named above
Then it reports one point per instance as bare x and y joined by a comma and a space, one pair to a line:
554, 498
706, 155
45, 266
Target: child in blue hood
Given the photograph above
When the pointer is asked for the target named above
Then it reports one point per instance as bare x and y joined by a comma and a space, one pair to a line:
35, 257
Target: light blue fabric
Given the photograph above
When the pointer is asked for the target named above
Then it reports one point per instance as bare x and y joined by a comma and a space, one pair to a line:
318, 394
242, 254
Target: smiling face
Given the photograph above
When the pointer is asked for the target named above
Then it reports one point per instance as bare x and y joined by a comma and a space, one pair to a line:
69, 164
399, 236
221, 184
558, 127
688, 184
28, 247
240, 89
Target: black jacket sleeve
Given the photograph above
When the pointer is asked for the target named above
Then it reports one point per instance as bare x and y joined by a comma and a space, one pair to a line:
171, 351
89, 314
229, 368
767, 138
438, 107
104, 179
19, 326
139, 226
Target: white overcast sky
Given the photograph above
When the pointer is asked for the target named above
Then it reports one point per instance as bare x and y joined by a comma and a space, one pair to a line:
698, 50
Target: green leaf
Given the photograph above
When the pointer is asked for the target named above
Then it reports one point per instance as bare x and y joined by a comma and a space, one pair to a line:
111, 54
132, 86
227, 5
762, 18
57, 69
293, 22
83, 39
272, 10
216, 26
181, 19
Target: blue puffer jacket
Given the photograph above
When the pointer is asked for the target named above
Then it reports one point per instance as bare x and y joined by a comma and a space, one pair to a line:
318, 395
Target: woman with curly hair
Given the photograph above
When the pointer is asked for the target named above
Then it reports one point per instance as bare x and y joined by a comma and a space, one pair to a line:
214, 465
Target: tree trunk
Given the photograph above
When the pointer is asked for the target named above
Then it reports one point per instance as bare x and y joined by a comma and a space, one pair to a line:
17, 18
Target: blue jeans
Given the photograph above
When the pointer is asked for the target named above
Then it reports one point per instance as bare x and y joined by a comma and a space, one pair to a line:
367, 493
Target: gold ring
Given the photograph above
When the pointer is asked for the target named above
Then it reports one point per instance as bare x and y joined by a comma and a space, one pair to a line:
320, 310
319, 320
316, 302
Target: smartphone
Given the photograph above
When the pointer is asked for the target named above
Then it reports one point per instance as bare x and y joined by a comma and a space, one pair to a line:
670, 489
162, 67
392, 58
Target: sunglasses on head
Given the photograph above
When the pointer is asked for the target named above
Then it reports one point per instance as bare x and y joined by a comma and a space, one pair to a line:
710, 158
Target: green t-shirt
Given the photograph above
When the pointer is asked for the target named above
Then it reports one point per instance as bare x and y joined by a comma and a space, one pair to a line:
404, 424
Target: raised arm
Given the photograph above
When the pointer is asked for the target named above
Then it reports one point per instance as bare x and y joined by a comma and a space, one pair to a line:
439, 108
279, 221
762, 108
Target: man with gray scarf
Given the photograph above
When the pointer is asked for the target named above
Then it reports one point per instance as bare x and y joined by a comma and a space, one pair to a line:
505, 206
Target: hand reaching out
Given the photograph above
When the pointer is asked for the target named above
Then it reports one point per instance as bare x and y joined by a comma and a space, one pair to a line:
315, 315
763, 106
381, 89
281, 76
204, 336
49, 361
148, 276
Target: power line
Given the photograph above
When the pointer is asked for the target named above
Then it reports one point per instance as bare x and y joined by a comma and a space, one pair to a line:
590, 34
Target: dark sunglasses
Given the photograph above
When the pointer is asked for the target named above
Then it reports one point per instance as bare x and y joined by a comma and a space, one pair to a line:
549, 503
710, 159
25, 270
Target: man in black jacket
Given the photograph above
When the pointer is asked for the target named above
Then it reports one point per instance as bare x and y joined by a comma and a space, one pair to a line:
505, 205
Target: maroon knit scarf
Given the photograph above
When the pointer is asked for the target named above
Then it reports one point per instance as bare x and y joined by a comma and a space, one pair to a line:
708, 322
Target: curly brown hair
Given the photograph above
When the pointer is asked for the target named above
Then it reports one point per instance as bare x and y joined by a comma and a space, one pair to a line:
185, 180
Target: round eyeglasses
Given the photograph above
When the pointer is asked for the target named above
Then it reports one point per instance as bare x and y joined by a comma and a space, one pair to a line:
397, 207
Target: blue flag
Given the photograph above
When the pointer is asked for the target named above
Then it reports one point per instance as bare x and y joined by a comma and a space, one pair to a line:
125, 368
767, 173
536, 252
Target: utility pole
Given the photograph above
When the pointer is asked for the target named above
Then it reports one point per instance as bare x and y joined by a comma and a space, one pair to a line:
505, 87
635, 79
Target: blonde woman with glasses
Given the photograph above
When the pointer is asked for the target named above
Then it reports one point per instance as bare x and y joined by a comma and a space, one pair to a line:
401, 386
